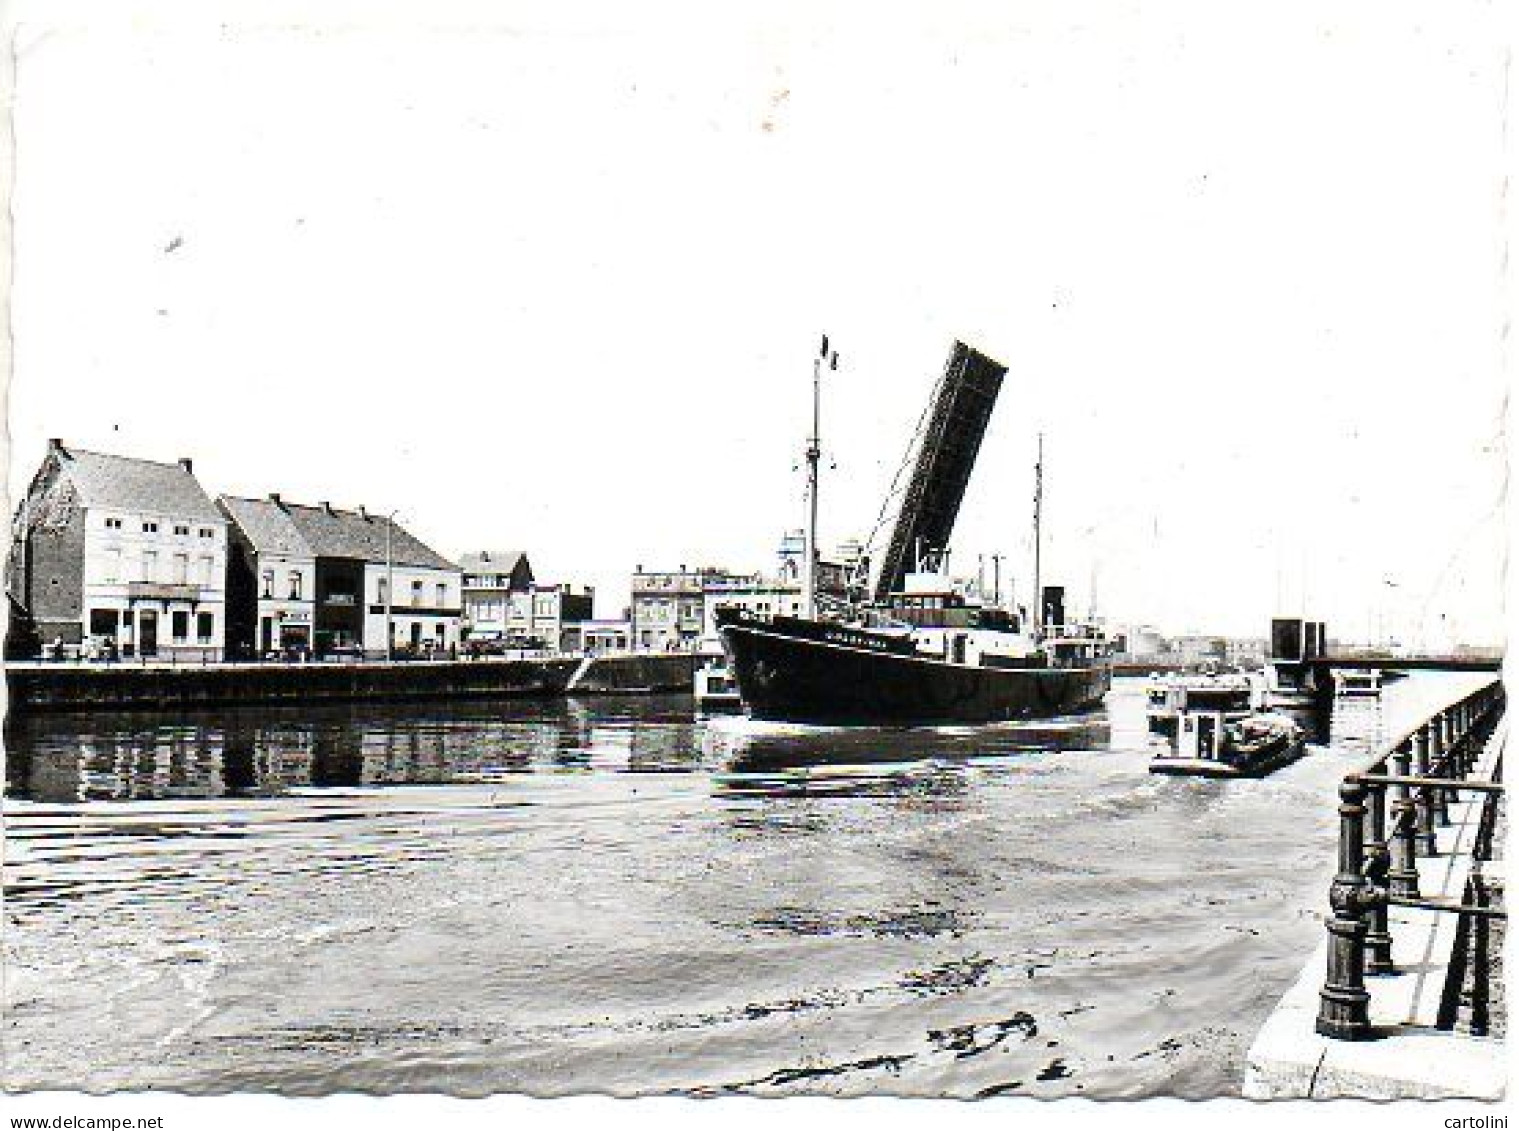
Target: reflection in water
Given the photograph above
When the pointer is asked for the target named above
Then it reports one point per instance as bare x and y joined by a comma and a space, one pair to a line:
614, 895
267, 752
745, 745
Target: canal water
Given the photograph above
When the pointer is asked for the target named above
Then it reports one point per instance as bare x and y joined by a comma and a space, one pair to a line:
614, 895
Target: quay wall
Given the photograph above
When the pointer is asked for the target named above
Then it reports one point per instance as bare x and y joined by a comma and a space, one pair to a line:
91, 687
634, 674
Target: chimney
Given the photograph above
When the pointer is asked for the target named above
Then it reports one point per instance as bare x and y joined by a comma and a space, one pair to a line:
364, 514
188, 464
326, 507
485, 555
55, 445
274, 497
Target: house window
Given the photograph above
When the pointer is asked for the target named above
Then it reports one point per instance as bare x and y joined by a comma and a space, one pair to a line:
113, 524
205, 627
207, 532
150, 565
183, 531
295, 585
268, 583
416, 594
207, 567
181, 623
382, 592
113, 565
442, 596
181, 569
150, 528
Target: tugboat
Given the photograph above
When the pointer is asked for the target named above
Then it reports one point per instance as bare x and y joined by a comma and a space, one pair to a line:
1211, 744
919, 651
715, 690
1169, 697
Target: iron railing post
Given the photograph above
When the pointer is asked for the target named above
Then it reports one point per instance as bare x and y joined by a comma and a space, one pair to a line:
1344, 1004
1424, 813
1377, 864
1438, 768
1402, 873
1468, 740
1471, 740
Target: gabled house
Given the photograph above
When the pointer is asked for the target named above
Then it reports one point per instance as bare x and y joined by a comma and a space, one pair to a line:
120, 554
491, 579
365, 572
271, 579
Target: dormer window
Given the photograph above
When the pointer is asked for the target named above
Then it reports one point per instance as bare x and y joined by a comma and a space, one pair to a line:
182, 531
150, 528
113, 524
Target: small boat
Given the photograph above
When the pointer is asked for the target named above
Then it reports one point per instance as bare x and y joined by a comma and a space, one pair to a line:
716, 690
1358, 683
1168, 697
1210, 744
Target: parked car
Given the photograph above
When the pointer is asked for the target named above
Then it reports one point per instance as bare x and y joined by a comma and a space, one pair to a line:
492, 645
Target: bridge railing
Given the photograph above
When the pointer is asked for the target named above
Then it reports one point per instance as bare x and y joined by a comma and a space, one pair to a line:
1390, 810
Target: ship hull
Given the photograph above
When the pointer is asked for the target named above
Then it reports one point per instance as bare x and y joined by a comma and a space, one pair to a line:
786, 677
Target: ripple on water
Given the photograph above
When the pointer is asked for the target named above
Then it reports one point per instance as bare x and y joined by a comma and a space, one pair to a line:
612, 896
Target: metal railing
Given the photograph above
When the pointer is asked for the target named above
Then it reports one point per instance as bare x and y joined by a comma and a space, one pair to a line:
1390, 810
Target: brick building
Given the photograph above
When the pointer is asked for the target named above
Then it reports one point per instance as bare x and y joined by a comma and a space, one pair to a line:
114, 553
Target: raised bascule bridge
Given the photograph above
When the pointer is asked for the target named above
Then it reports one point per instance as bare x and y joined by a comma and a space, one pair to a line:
942, 455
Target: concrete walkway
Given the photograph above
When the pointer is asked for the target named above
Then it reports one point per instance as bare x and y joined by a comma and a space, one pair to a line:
1410, 1058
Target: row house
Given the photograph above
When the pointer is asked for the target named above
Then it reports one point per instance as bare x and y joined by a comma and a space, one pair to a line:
550, 615
666, 614
606, 635
338, 581
491, 577
121, 555
502, 601
271, 579
778, 594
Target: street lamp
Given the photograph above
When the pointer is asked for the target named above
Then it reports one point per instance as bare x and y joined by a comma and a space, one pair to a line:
389, 588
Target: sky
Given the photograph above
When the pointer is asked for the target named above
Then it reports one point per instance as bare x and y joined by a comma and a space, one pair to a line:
551, 277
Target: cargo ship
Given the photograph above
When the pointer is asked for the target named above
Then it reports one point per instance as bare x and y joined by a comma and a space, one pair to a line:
914, 648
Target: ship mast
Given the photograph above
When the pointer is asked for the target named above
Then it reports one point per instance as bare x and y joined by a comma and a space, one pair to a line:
814, 454
1038, 607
